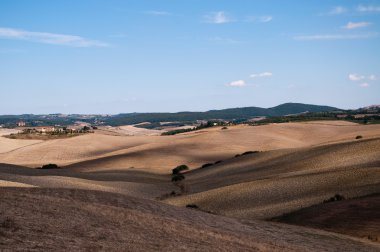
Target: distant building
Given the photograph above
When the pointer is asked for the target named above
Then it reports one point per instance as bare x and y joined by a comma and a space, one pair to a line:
45, 129
341, 116
21, 124
258, 118
363, 115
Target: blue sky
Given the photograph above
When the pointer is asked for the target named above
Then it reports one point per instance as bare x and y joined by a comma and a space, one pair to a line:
98, 56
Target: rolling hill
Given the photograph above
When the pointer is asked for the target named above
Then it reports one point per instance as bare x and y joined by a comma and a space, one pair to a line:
224, 114
116, 192
72, 219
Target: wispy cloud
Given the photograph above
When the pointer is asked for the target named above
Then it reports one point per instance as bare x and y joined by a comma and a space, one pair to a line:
372, 77
362, 79
337, 10
158, 13
50, 38
368, 8
261, 75
359, 77
219, 17
335, 36
238, 83
222, 17
242, 83
356, 77
355, 25
259, 19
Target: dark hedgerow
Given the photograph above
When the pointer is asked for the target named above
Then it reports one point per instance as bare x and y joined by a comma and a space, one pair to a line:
249, 152
206, 165
192, 206
49, 166
337, 197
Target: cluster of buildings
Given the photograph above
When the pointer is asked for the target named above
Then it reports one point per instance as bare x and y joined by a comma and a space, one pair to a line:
77, 128
21, 124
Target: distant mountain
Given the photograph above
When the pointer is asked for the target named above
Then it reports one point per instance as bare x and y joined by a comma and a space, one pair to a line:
224, 114
296, 108
372, 107
239, 114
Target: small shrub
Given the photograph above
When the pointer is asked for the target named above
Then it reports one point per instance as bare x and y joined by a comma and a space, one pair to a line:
224, 128
49, 166
206, 165
180, 168
337, 197
86, 128
178, 177
218, 162
192, 206
237, 155
359, 137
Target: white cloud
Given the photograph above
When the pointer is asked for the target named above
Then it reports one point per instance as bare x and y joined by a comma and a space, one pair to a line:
238, 83
372, 77
335, 36
356, 77
158, 13
259, 19
261, 75
364, 85
219, 17
368, 8
265, 19
353, 25
49, 38
337, 10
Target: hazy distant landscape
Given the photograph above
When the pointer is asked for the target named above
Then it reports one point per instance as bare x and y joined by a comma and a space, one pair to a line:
189, 126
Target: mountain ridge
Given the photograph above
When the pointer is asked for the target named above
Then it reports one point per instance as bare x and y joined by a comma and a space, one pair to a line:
240, 113
229, 114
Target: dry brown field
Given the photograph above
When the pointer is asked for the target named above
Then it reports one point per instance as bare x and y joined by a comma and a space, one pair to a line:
112, 189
